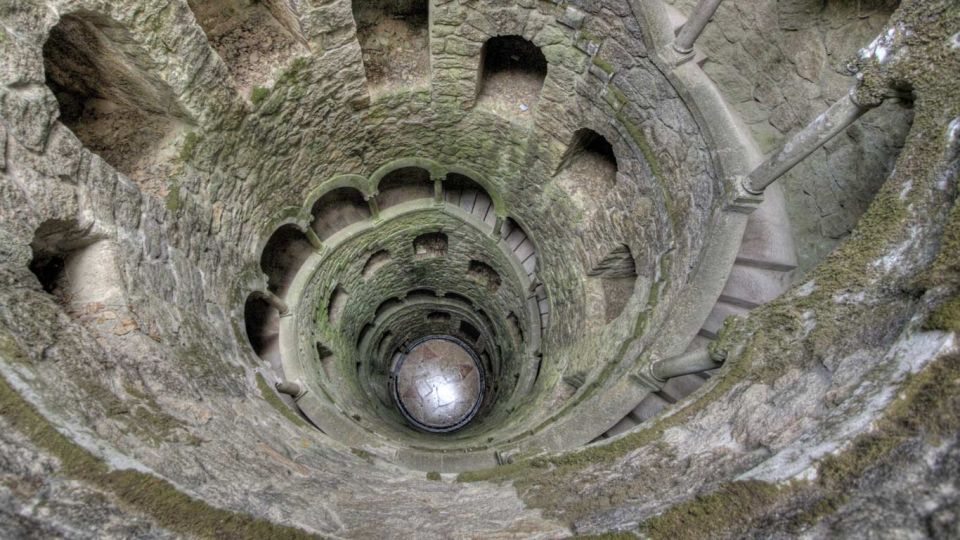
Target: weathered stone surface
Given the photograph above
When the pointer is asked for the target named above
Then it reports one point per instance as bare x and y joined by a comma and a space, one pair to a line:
152, 370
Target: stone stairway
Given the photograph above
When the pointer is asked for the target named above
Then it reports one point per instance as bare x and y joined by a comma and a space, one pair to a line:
762, 271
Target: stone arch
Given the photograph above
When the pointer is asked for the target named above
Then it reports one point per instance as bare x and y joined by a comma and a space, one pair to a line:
591, 157
470, 196
338, 208
404, 184
281, 258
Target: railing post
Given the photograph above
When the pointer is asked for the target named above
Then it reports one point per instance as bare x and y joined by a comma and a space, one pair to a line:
694, 26
374, 207
825, 127
693, 362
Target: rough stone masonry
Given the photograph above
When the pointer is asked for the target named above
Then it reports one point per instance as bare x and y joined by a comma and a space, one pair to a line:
225, 225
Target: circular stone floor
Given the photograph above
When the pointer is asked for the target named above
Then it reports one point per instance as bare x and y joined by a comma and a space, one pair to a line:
439, 385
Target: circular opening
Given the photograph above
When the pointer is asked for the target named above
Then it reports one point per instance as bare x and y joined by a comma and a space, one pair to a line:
438, 384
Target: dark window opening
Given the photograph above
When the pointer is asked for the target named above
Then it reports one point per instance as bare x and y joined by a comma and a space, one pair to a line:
367, 328
262, 324
336, 305
438, 316
469, 331
374, 263
385, 305
484, 274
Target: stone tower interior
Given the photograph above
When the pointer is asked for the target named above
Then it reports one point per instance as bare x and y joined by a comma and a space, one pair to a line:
479, 269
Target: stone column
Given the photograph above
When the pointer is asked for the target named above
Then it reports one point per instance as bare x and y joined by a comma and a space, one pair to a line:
438, 190
374, 207
825, 127
314, 240
277, 303
694, 26
685, 364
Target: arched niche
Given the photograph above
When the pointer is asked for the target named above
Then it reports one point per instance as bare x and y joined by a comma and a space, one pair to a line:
512, 72
590, 158
430, 245
262, 324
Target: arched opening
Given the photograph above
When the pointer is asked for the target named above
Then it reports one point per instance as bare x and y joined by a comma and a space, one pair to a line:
338, 209
262, 323
464, 192
282, 257
512, 71
394, 38
458, 298
254, 39
114, 105
590, 159
430, 245
364, 332
406, 184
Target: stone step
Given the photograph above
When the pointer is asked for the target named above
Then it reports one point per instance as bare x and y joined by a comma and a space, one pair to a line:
749, 286
681, 387
767, 241
624, 425
648, 407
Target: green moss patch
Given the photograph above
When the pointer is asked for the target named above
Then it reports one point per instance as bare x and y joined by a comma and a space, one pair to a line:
362, 454
721, 510
172, 200
190, 143
929, 409
138, 491
946, 317
258, 94
434, 476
